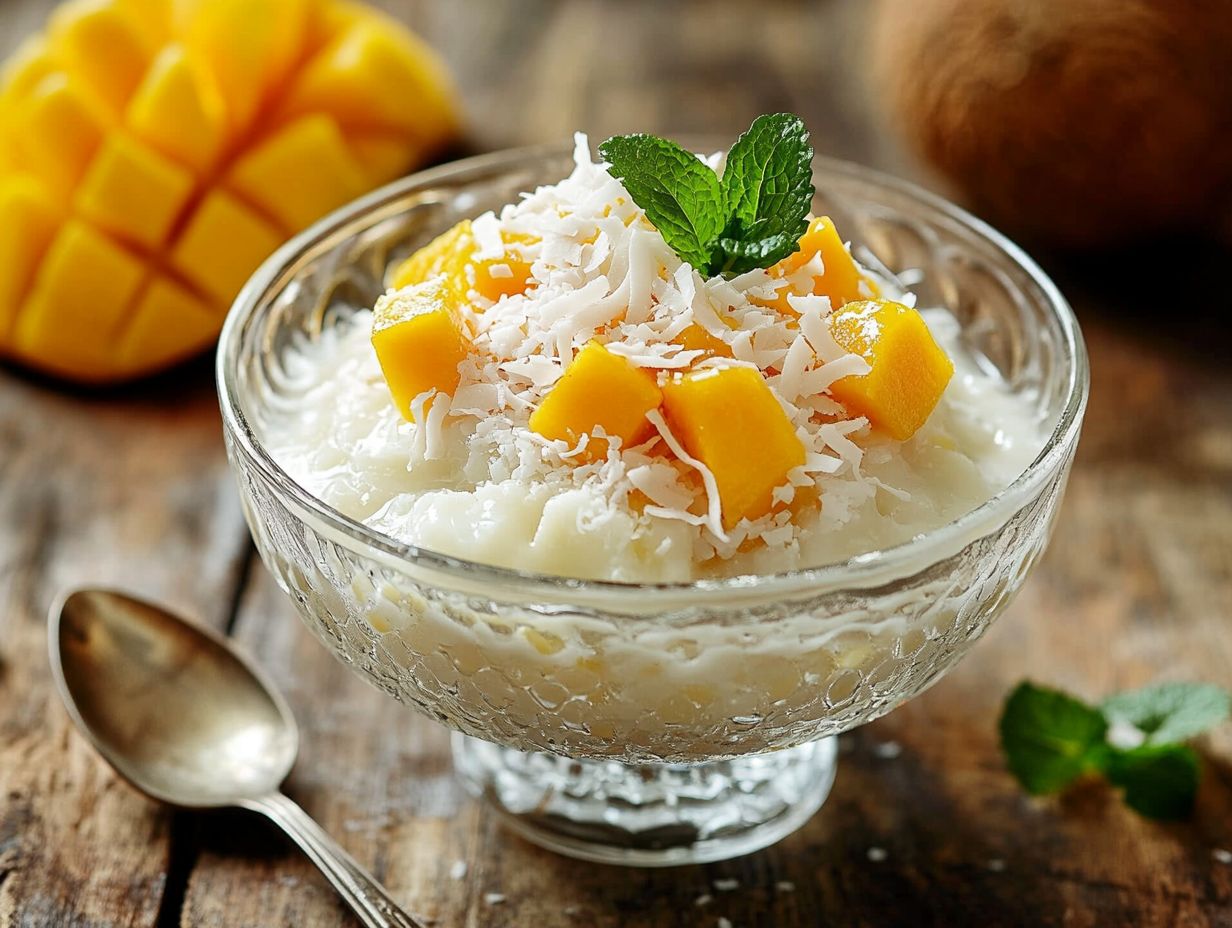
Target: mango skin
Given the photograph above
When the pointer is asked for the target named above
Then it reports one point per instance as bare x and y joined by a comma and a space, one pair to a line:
730, 420
909, 372
453, 254
598, 388
154, 152
420, 340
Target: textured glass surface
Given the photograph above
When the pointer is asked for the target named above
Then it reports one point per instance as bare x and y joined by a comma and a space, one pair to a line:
682, 673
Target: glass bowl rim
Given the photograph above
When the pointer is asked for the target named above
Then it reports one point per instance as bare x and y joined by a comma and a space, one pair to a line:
870, 568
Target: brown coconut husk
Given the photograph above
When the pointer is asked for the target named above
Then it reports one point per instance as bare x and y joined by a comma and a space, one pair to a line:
1077, 122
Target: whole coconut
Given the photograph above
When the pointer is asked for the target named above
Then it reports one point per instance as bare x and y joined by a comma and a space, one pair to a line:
1080, 122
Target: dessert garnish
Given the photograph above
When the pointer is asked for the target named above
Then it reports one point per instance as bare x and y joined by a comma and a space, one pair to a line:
1135, 739
660, 367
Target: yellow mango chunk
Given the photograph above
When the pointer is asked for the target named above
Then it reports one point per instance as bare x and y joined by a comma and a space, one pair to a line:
695, 338
598, 388
85, 283
168, 324
133, 192
57, 130
350, 77
841, 278
419, 342
909, 370
223, 243
382, 157
453, 254
301, 173
184, 140
730, 420
26, 67
28, 223
103, 45
250, 46
178, 111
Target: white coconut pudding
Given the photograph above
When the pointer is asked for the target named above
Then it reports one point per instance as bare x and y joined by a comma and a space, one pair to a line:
555, 389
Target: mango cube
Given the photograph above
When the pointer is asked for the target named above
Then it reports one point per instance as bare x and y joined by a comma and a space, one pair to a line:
909, 370
132, 192
730, 420
695, 338
598, 388
178, 111
28, 223
840, 280
453, 254
183, 141
419, 341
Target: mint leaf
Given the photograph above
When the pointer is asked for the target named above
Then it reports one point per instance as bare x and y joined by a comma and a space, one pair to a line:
679, 193
768, 190
1160, 780
1170, 712
1049, 738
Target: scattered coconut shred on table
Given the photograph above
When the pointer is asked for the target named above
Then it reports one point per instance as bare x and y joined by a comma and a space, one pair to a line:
598, 265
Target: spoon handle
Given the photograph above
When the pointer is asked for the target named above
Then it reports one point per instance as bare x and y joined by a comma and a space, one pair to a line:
366, 897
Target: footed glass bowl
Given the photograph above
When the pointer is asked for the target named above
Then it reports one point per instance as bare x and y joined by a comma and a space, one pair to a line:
651, 724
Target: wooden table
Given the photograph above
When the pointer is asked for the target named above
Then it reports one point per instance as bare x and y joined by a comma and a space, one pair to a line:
131, 488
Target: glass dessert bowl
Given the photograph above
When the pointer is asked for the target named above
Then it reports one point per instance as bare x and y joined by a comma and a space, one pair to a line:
650, 723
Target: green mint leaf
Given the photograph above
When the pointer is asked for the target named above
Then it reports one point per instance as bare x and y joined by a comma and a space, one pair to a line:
768, 189
679, 193
1160, 780
1170, 712
1049, 738
739, 250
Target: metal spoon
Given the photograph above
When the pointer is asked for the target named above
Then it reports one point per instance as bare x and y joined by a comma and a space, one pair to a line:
189, 722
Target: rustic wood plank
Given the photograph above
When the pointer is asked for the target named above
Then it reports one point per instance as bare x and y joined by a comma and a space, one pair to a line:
1137, 586
962, 845
125, 489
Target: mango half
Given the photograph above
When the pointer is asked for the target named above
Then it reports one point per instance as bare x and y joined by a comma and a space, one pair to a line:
154, 152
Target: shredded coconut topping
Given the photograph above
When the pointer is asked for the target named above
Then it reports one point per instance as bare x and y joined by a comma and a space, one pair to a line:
601, 271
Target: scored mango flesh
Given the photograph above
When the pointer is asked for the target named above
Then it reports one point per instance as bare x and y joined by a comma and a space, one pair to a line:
730, 420
154, 152
598, 388
840, 279
453, 255
419, 339
909, 371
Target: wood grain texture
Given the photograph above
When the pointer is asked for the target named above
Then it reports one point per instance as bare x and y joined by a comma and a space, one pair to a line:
132, 489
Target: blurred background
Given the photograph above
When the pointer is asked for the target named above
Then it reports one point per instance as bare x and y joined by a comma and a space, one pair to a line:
1098, 134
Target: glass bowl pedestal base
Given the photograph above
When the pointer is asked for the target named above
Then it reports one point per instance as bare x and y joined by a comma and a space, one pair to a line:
649, 815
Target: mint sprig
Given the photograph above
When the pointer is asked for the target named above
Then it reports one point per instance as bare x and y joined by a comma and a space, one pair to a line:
752, 218
768, 190
679, 193
1170, 712
1050, 739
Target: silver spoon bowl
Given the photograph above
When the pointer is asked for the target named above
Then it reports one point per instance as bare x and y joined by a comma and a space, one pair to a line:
190, 722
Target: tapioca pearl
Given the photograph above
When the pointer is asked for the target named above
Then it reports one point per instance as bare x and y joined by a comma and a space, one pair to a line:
544, 643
